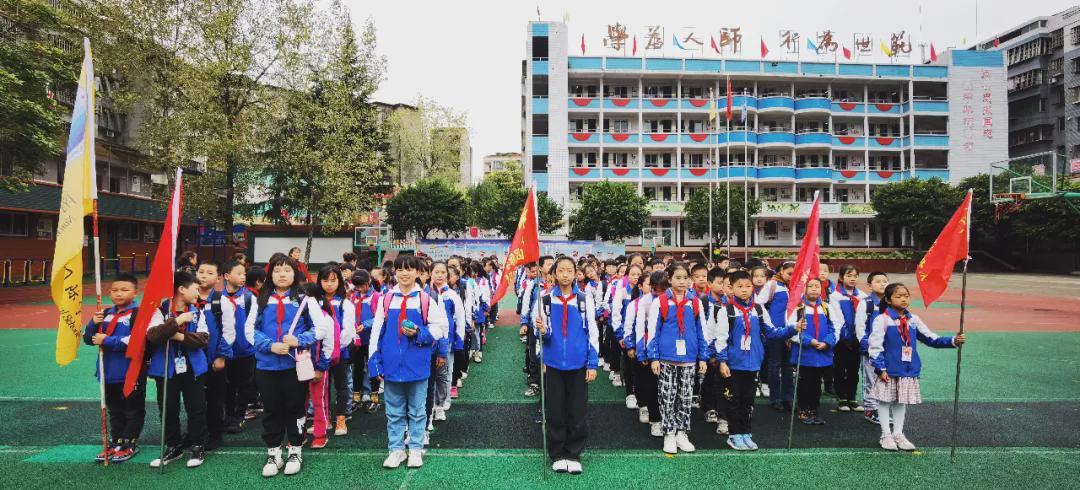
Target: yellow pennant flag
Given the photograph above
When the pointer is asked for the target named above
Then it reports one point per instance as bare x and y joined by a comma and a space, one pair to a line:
76, 201
712, 110
885, 49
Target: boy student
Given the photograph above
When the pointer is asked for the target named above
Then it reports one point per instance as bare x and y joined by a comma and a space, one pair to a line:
565, 321
109, 330
403, 333
741, 328
218, 350
179, 336
712, 399
238, 305
534, 289
774, 297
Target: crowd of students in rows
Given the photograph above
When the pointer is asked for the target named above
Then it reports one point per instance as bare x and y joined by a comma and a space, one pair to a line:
238, 342
678, 336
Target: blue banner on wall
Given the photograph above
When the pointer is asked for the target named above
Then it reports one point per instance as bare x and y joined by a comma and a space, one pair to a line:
477, 249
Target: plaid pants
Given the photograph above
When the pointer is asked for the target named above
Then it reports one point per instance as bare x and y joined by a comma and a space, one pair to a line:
676, 391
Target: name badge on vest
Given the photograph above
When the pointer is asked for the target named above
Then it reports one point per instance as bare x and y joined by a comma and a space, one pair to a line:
905, 353
680, 347
745, 343
180, 364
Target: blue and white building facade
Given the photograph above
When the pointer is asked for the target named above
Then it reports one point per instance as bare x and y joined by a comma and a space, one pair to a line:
839, 128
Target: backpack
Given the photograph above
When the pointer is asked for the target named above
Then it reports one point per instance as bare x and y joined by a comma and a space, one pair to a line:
215, 306
425, 304
580, 303
663, 298
731, 320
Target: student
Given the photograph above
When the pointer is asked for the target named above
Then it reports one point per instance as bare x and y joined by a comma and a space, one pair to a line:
864, 319
565, 321
294, 253
741, 328
894, 354
285, 331
455, 316
609, 347
110, 329
846, 362
236, 304
645, 381
461, 344
179, 354
622, 319
349, 258
823, 320
187, 262
254, 279
534, 290
677, 351
481, 298
402, 335
491, 267
774, 297
329, 291
218, 350
365, 298
714, 297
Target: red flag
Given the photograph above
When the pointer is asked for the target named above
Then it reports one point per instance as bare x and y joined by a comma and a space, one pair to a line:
951, 246
583, 45
727, 112
933, 53
847, 53
712, 42
808, 261
997, 42
159, 287
764, 49
634, 52
524, 248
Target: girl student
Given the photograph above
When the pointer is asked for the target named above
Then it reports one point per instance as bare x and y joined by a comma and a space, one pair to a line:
329, 292
645, 382
865, 314
894, 354
622, 320
565, 321
461, 346
481, 298
441, 278
677, 352
285, 330
846, 361
823, 320
491, 268
364, 298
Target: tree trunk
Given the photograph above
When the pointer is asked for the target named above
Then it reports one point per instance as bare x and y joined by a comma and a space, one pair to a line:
310, 236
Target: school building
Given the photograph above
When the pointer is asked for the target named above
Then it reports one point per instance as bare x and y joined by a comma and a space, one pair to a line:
841, 128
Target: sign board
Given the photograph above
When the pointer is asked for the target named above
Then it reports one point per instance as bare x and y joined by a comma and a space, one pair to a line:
477, 249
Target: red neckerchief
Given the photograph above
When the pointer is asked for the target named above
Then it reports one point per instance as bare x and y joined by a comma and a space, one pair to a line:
816, 329
280, 313
853, 297
702, 293
679, 307
253, 291
337, 333
180, 328
565, 311
115, 319
902, 326
745, 315
403, 312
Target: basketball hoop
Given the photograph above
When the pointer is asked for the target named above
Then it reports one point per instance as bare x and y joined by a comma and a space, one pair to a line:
1006, 203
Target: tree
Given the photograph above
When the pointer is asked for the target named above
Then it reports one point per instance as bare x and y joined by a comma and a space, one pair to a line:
611, 211
696, 212
426, 206
495, 203
32, 69
425, 141
326, 159
922, 206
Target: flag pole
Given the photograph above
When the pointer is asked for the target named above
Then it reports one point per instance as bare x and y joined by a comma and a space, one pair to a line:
164, 402
712, 178
543, 401
746, 186
800, 312
960, 348
727, 180
101, 349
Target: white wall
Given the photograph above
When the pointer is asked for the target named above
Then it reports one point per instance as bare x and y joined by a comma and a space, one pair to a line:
323, 249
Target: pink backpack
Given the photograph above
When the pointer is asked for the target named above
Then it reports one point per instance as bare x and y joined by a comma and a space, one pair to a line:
425, 304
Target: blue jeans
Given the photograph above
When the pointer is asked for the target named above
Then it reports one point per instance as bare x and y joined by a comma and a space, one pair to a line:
405, 404
781, 388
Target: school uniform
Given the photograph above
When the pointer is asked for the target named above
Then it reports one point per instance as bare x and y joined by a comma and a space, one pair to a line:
571, 346
894, 350
646, 383
330, 348
238, 326
846, 362
405, 362
742, 330
711, 387
439, 349
219, 346
534, 290
126, 414
774, 297
184, 364
364, 313
455, 341
283, 395
865, 314
677, 341
822, 323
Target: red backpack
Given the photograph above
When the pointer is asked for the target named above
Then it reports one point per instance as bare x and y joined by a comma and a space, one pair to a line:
663, 298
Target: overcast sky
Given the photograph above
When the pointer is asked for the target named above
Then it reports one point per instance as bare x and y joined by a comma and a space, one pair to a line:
467, 54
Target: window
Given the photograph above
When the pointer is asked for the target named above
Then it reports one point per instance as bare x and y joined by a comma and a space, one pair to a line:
617, 126
659, 91
583, 90
769, 194
772, 230
129, 232
136, 184
540, 163
583, 125
650, 192
44, 228
1026, 80
800, 230
693, 160
540, 124
872, 227
1074, 35
693, 92
1061, 124
13, 224
692, 126
659, 126
840, 229
658, 160
618, 92
583, 159
1055, 67
151, 233
1074, 95
617, 159
539, 47
540, 86
841, 195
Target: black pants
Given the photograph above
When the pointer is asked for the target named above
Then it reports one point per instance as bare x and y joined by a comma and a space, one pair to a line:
216, 387
429, 402
359, 364
711, 391
342, 397
809, 395
240, 390
193, 391
532, 360
846, 366
566, 397
126, 414
646, 386
627, 368
739, 391
283, 399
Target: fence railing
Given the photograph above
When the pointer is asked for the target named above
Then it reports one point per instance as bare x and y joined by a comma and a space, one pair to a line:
28, 272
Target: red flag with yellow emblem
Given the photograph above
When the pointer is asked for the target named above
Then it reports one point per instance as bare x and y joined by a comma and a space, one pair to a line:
524, 247
951, 246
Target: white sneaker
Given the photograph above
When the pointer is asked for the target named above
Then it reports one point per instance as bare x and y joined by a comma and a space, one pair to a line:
888, 443
683, 442
670, 446
607, 367
631, 402
903, 443
439, 414
573, 467
710, 417
427, 438
479, 357
722, 427
655, 429
758, 392
616, 381
611, 376
643, 415
274, 463
559, 466
416, 459
294, 461
764, 391
395, 459
464, 374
